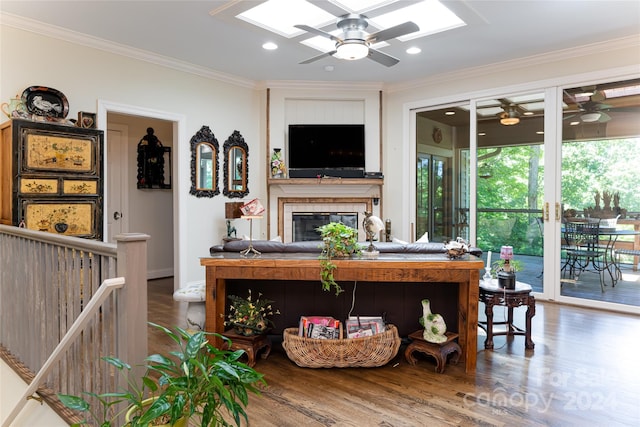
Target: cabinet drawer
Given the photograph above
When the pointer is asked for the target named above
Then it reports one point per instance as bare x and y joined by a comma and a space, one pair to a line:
71, 218
75, 186
38, 186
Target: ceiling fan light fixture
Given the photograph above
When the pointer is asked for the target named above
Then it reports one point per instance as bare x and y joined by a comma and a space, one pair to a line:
352, 50
591, 117
509, 121
509, 117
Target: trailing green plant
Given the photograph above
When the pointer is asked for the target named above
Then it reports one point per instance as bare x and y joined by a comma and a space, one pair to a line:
339, 240
196, 380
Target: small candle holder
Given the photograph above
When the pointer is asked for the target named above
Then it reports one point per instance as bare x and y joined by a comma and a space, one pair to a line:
487, 270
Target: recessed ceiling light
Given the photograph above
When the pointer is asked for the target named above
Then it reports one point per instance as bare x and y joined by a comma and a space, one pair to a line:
528, 113
270, 46
449, 113
414, 50
482, 133
540, 132
574, 123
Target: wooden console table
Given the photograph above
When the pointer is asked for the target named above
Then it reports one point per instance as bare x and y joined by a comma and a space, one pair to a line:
416, 268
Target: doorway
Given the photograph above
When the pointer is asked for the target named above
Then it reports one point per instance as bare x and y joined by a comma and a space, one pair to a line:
433, 204
174, 228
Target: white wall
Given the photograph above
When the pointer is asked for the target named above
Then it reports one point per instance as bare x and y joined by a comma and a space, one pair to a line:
85, 75
34, 413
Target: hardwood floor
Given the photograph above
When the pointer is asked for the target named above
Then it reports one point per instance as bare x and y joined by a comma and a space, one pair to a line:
584, 371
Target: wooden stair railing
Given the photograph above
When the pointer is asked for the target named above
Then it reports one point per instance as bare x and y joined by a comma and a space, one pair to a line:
104, 291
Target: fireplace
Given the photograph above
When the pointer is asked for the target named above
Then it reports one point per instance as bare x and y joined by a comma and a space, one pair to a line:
298, 217
305, 224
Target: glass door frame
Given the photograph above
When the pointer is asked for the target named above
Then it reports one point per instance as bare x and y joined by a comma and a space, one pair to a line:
552, 175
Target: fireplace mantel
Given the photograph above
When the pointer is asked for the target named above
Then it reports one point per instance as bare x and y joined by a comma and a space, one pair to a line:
287, 195
326, 181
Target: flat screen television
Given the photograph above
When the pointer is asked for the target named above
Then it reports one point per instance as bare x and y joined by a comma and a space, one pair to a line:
326, 150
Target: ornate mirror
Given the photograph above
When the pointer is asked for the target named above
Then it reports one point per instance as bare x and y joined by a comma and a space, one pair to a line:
204, 163
236, 166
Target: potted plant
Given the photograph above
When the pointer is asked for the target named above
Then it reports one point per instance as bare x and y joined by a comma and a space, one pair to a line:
195, 380
338, 240
250, 316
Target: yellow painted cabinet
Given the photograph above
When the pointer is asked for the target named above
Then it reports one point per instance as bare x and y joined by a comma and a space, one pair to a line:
52, 177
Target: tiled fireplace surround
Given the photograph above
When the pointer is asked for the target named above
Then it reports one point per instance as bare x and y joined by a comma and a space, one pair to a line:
337, 199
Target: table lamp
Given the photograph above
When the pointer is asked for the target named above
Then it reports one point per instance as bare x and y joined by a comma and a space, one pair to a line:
507, 275
250, 211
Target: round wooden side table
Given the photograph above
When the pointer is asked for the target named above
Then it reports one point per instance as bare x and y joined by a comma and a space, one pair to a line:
491, 295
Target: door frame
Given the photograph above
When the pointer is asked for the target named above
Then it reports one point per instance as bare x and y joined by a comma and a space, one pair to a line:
553, 146
179, 197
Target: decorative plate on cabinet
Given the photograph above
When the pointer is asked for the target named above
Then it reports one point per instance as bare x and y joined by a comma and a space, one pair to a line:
45, 101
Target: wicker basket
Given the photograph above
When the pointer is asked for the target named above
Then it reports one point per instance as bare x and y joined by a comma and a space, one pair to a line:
365, 352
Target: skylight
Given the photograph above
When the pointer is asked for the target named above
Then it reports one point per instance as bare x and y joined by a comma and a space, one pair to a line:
430, 15
280, 16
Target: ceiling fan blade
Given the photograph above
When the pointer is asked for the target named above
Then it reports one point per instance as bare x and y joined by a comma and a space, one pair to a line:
382, 58
569, 117
315, 58
318, 32
393, 32
598, 96
604, 117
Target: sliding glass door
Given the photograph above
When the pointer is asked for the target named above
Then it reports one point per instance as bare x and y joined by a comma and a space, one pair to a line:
600, 176
510, 181
512, 169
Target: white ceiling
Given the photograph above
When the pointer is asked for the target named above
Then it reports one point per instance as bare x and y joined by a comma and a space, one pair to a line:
207, 34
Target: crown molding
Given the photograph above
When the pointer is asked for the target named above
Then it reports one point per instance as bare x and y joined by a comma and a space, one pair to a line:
324, 85
514, 64
63, 34
164, 61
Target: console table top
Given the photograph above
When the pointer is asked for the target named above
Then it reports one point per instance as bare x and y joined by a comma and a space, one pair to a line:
384, 260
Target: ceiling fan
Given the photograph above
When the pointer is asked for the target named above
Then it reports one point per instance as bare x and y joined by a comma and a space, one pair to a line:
355, 43
593, 109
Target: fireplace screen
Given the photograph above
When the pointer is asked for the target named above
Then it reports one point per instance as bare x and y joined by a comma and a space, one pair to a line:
305, 223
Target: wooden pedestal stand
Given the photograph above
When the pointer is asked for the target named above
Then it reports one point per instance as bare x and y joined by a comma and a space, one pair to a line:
438, 351
252, 345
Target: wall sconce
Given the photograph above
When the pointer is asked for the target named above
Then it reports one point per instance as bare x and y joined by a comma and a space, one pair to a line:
376, 200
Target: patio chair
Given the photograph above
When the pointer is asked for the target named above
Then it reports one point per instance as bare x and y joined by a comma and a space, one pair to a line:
583, 250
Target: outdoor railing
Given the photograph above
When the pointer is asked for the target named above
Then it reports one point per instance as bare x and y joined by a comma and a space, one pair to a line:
46, 281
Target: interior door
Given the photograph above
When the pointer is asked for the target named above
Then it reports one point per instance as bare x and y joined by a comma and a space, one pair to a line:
115, 211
